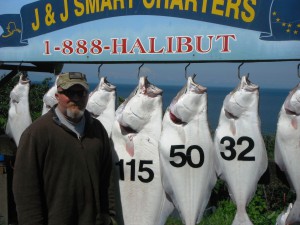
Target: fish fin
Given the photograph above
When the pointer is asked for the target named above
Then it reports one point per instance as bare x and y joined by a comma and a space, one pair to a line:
241, 218
281, 219
232, 127
130, 145
166, 208
294, 215
130, 148
294, 123
278, 156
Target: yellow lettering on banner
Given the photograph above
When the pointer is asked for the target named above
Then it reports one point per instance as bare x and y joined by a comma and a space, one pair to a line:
158, 2
121, 2
35, 26
233, 6
249, 9
194, 4
215, 10
166, 4
176, 3
106, 4
148, 4
79, 11
49, 18
204, 6
91, 6
64, 17
130, 4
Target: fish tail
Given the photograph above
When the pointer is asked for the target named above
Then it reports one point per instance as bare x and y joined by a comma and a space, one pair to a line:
241, 218
294, 215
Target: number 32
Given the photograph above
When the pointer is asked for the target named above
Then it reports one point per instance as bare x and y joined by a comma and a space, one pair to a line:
242, 156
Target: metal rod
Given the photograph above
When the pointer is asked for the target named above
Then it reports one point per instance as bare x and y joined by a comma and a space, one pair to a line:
99, 70
140, 69
185, 69
239, 70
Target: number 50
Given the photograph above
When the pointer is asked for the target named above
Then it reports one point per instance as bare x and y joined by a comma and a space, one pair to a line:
186, 157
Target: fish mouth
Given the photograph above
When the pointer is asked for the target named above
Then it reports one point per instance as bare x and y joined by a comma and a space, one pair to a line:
194, 87
247, 85
290, 112
127, 129
107, 86
24, 79
292, 102
175, 119
148, 89
230, 115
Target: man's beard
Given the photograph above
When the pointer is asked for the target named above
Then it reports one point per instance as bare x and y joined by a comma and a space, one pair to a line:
75, 114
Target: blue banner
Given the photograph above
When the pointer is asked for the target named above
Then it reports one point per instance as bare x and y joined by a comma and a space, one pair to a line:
43, 17
149, 30
11, 24
47, 16
284, 21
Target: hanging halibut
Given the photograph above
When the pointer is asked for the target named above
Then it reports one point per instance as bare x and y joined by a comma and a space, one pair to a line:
186, 153
102, 103
240, 147
19, 114
49, 99
135, 136
287, 147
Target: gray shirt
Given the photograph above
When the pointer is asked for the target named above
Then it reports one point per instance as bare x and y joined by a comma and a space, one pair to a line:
77, 128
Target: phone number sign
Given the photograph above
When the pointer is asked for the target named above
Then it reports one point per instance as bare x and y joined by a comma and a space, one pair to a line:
149, 30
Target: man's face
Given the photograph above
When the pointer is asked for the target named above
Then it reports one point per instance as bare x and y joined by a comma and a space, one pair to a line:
72, 101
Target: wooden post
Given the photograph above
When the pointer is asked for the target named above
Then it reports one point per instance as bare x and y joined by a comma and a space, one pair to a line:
3, 196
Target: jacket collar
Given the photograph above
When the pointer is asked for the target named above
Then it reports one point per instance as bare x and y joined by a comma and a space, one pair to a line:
87, 115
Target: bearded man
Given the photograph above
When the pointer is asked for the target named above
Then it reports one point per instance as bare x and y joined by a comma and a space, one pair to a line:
63, 163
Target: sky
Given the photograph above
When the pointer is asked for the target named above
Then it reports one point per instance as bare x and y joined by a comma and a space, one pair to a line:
280, 75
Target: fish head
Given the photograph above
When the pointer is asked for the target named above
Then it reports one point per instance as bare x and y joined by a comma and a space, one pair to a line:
105, 85
101, 96
243, 98
292, 102
136, 111
19, 94
189, 102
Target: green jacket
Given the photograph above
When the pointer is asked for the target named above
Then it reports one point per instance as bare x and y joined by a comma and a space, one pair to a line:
59, 179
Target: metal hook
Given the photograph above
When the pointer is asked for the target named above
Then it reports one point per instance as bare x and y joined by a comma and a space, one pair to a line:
185, 69
25, 74
298, 70
99, 70
140, 69
19, 66
239, 70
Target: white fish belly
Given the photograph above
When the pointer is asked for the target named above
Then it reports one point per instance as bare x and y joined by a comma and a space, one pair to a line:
143, 201
187, 165
102, 104
287, 156
18, 120
242, 158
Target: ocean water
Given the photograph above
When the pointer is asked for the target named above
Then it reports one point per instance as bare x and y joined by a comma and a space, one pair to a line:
270, 102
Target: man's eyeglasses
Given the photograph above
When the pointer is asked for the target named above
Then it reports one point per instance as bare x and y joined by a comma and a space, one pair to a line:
72, 93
